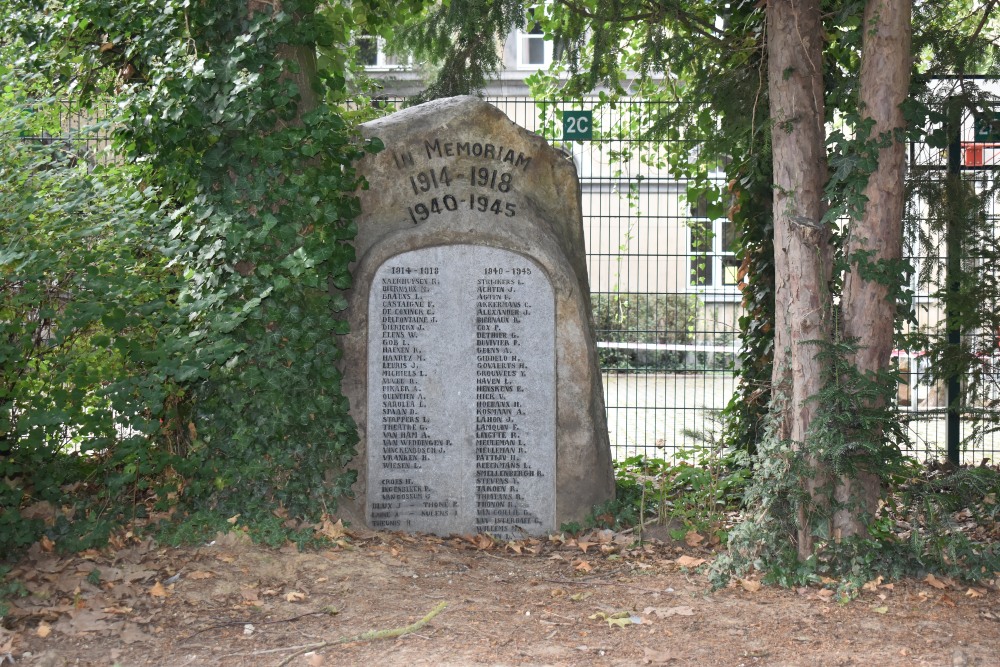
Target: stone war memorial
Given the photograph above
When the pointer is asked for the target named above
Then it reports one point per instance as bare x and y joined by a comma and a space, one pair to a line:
471, 366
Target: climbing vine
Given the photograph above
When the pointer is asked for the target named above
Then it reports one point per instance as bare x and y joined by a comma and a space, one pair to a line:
225, 122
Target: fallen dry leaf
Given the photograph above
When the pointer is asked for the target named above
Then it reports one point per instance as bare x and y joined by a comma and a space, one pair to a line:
825, 593
623, 539
654, 657
158, 591
133, 635
584, 545
483, 541
295, 596
46, 544
688, 561
329, 529
667, 612
975, 592
604, 536
621, 619
872, 586
750, 585
117, 610
85, 620
43, 630
200, 574
582, 566
693, 538
931, 580
43, 510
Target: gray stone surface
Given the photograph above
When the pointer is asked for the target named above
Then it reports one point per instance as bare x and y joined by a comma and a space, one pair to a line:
461, 189
462, 396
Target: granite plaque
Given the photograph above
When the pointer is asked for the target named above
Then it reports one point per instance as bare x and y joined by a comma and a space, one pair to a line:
461, 381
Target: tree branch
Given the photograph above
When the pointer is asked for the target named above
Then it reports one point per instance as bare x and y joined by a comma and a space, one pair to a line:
693, 23
987, 10
371, 635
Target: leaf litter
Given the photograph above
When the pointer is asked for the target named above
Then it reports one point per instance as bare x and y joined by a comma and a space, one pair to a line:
546, 600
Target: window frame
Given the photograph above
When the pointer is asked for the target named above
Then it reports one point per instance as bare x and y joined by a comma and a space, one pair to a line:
522, 36
719, 259
384, 62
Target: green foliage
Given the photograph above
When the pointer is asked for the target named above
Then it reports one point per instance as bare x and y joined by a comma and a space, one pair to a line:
262, 233
933, 521
84, 294
462, 36
703, 487
746, 413
622, 317
263, 527
946, 515
856, 427
694, 491
9, 588
709, 62
960, 223
169, 321
926, 520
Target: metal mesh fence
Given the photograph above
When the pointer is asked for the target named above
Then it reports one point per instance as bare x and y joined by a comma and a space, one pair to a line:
662, 279
82, 138
664, 293
952, 237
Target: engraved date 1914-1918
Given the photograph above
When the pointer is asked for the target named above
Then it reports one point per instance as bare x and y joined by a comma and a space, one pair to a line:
482, 177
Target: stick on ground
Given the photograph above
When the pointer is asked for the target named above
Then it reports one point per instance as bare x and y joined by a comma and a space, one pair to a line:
371, 635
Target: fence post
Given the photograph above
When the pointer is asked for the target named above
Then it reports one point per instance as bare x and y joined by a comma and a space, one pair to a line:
953, 250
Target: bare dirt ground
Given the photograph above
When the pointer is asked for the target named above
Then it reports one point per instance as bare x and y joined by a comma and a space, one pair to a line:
602, 599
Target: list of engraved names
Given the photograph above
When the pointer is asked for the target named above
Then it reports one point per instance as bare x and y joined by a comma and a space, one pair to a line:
461, 385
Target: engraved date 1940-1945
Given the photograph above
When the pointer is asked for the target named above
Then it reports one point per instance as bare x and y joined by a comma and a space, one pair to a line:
482, 177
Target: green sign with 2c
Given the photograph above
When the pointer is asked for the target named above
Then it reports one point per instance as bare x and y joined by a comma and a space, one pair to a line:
988, 127
578, 125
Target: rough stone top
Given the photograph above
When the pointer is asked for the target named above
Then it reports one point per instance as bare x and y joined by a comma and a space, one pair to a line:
469, 151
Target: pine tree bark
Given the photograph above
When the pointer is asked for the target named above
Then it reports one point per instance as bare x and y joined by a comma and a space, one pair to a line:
868, 316
801, 241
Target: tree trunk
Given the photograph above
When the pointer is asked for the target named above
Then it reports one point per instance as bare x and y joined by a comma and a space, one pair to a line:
801, 241
304, 57
867, 314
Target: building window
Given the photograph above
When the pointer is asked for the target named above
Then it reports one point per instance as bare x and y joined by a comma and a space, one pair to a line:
533, 50
371, 53
713, 261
